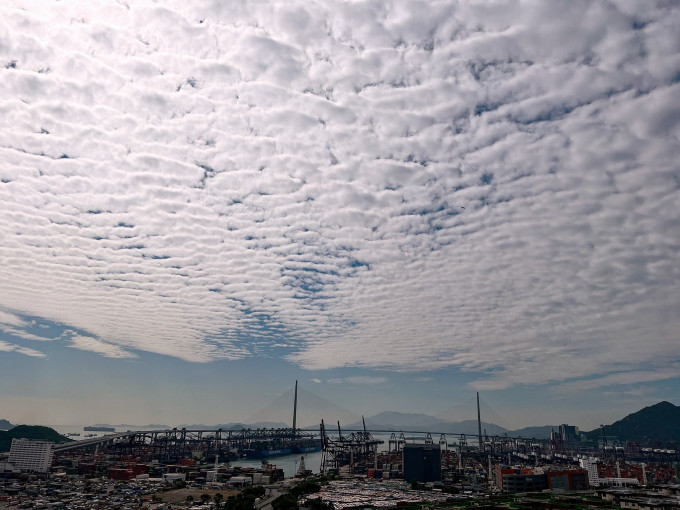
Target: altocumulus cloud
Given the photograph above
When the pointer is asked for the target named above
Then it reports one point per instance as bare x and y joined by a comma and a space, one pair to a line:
411, 185
86, 343
359, 379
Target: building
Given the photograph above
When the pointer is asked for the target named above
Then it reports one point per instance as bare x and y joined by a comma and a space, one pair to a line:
513, 479
640, 499
590, 465
7, 470
594, 479
31, 455
569, 433
174, 477
569, 480
422, 462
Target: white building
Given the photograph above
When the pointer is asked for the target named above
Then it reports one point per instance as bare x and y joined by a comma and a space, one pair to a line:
240, 481
174, 477
594, 479
590, 465
30, 455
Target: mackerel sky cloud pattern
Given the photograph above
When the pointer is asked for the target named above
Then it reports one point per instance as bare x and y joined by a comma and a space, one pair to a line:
487, 186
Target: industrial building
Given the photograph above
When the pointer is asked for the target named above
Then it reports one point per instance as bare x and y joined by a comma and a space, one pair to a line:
422, 462
569, 480
523, 479
513, 479
30, 455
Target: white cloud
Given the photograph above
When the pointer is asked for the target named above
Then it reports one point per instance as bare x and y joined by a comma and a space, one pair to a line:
16, 326
362, 379
358, 379
8, 319
20, 333
630, 377
489, 188
86, 343
8, 347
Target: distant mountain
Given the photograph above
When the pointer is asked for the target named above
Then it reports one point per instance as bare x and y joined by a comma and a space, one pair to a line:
468, 411
5, 425
127, 426
409, 422
238, 426
535, 432
30, 432
660, 422
311, 410
391, 420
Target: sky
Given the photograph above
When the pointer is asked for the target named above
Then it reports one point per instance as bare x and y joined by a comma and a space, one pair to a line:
397, 203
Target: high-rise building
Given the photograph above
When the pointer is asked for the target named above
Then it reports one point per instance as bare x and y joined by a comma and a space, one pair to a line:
590, 465
31, 455
422, 462
569, 433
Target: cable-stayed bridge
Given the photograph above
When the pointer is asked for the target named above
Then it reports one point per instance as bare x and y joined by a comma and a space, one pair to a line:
177, 443
172, 444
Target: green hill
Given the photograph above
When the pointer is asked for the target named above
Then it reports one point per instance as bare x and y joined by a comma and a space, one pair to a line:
5, 425
657, 423
30, 432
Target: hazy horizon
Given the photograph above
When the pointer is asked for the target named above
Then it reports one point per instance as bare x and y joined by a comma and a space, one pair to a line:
280, 411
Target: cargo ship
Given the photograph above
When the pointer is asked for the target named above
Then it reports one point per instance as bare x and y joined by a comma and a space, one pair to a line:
286, 448
99, 429
295, 443
309, 449
253, 453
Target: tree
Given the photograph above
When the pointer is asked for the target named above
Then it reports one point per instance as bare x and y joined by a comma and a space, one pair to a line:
319, 504
245, 500
218, 499
190, 498
205, 498
285, 502
308, 487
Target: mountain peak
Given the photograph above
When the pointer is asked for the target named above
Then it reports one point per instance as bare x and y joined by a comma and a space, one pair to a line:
310, 411
657, 422
664, 404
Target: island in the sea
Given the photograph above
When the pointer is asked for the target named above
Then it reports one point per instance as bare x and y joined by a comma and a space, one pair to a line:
99, 429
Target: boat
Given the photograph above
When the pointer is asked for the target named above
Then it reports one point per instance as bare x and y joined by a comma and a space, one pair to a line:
308, 449
73, 434
258, 454
296, 442
99, 429
287, 448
